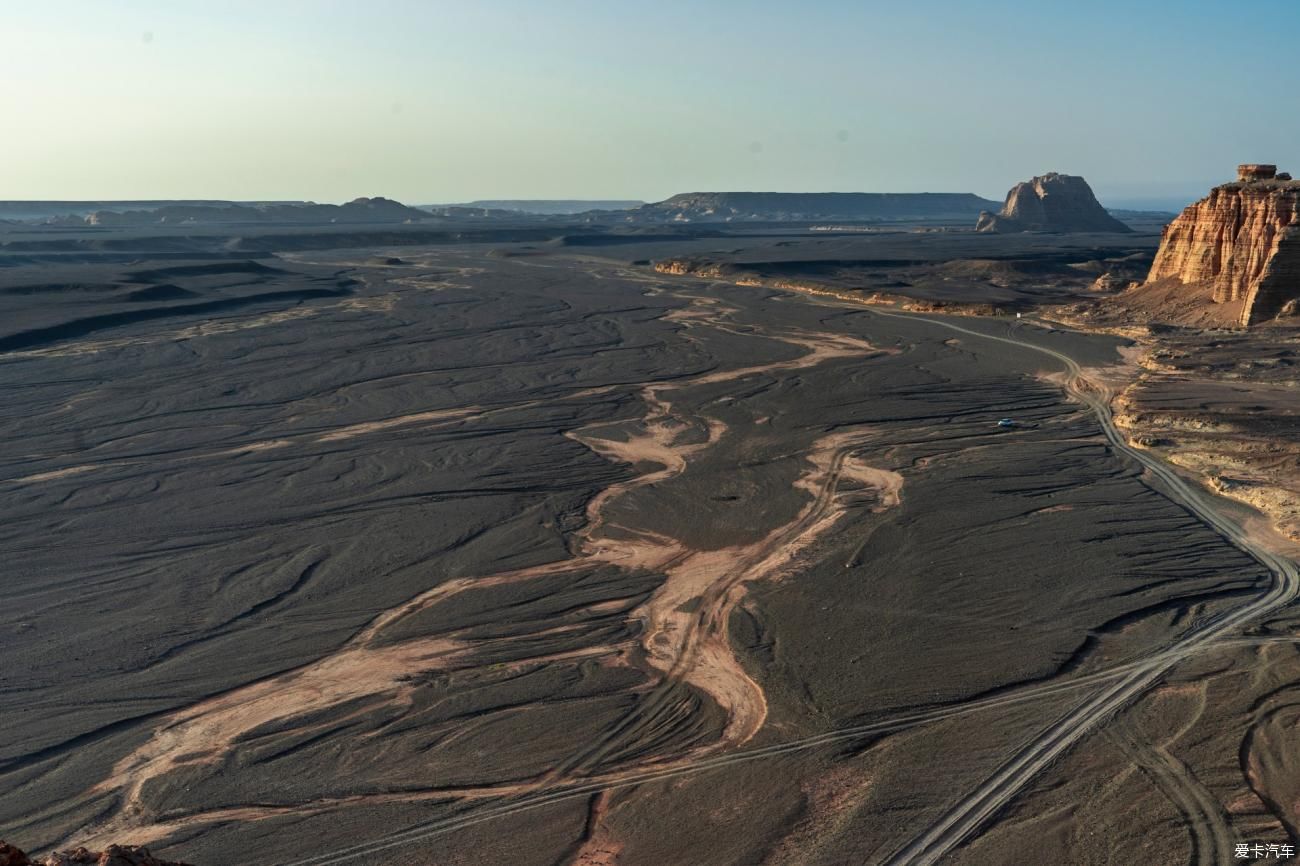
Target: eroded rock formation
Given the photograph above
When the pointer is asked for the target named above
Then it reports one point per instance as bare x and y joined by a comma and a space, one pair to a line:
1051, 203
1241, 242
11, 856
113, 855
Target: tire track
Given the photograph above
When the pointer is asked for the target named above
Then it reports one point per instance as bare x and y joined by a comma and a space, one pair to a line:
1106, 691
1204, 816
981, 804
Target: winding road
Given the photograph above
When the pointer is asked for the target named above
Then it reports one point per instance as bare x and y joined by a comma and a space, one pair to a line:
997, 791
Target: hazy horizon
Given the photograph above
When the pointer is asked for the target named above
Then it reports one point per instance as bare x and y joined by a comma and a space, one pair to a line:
438, 102
1167, 203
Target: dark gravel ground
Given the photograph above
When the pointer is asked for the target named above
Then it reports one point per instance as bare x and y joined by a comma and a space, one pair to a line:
197, 499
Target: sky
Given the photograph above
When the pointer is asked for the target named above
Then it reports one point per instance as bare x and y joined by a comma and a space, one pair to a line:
428, 101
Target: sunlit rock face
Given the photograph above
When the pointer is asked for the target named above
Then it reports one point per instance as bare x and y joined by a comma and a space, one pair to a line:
1242, 241
1052, 203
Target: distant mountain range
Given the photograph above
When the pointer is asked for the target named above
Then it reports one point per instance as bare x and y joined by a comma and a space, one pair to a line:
361, 210
804, 206
692, 207
35, 210
541, 206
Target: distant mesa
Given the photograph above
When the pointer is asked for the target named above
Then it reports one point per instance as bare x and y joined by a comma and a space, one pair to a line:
27, 211
1239, 247
361, 210
1051, 203
810, 206
692, 207
471, 212
542, 206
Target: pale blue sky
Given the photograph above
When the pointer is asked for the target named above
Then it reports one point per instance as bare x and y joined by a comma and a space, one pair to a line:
434, 101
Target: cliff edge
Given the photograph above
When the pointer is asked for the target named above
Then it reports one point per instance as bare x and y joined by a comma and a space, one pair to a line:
1240, 245
1051, 203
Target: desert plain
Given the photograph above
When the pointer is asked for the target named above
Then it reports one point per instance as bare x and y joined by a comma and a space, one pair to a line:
583, 545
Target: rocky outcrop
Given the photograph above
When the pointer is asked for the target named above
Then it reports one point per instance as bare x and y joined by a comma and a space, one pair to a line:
1251, 172
1241, 242
1051, 203
11, 856
113, 855
694, 268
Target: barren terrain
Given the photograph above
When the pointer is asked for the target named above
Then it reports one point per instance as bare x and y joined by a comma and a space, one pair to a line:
520, 551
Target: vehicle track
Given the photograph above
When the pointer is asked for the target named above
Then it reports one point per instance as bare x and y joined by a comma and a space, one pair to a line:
973, 810
968, 815
1106, 691
1207, 823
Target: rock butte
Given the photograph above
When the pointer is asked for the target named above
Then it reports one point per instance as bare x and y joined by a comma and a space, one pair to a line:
1051, 203
1241, 242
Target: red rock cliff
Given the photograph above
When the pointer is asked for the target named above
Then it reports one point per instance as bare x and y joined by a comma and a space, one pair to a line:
1242, 241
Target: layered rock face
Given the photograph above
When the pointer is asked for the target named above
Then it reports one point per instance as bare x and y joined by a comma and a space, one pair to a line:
1242, 242
1051, 203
